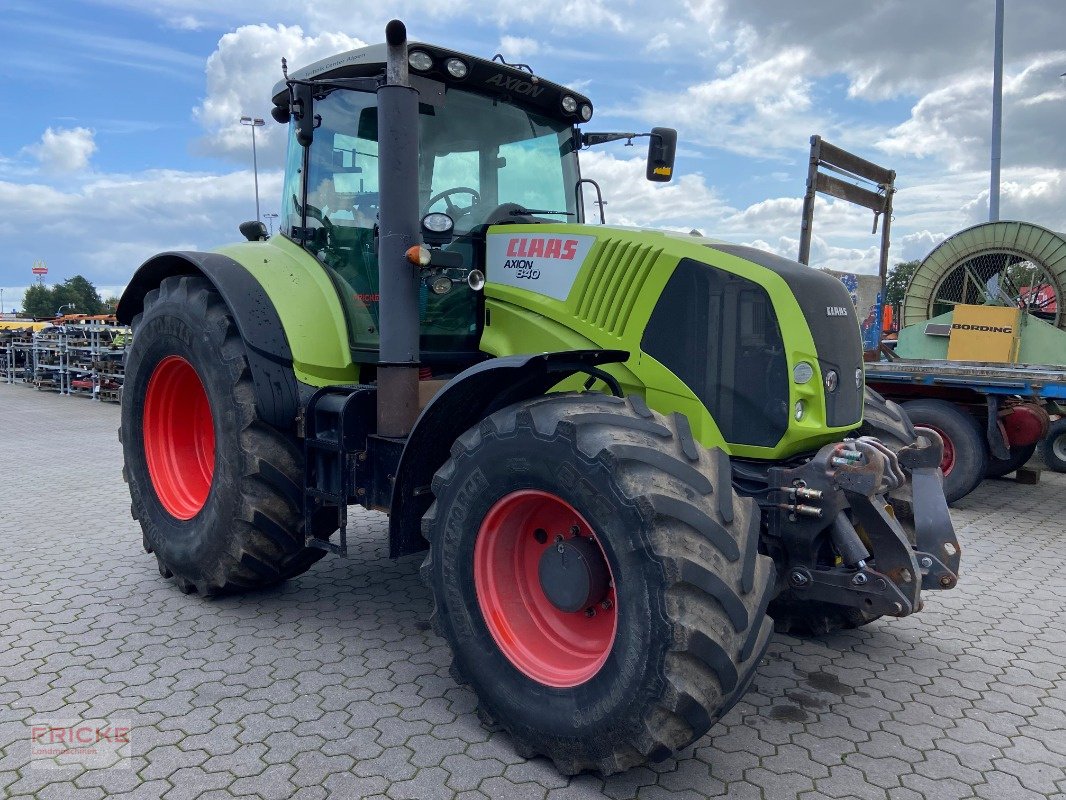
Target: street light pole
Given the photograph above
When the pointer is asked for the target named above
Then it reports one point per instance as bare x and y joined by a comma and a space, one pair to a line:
997, 116
254, 123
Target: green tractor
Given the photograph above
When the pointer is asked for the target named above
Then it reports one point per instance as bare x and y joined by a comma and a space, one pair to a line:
621, 448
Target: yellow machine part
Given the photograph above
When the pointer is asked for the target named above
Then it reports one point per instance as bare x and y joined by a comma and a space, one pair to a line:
984, 333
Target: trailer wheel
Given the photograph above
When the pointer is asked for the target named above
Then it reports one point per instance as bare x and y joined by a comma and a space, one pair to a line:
1019, 457
597, 579
965, 453
1053, 446
215, 489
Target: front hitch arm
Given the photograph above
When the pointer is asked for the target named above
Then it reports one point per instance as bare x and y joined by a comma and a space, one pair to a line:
939, 553
850, 481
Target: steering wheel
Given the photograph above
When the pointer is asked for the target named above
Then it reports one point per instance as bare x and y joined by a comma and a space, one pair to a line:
452, 209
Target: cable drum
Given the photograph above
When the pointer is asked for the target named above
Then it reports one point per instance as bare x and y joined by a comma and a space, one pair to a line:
1001, 263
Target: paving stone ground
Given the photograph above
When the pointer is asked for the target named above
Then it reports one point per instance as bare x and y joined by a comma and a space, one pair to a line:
332, 685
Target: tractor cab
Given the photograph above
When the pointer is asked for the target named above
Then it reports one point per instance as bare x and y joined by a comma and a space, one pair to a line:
495, 145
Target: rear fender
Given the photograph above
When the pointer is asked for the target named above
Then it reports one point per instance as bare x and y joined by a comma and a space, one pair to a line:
464, 401
257, 320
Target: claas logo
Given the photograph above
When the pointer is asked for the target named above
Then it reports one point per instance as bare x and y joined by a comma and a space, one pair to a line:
542, 247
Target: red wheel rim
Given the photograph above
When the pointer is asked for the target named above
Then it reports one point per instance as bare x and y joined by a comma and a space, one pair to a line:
179, 437
947, 463
552, 647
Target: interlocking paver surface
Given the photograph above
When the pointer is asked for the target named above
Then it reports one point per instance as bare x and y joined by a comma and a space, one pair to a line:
333, 686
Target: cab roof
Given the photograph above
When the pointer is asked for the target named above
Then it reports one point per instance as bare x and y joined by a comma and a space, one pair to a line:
486, 77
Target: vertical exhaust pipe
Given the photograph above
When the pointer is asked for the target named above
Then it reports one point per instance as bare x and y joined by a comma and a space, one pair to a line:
397, 396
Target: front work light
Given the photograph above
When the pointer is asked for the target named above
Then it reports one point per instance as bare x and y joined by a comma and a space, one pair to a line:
569, 104
420, 60
456, 68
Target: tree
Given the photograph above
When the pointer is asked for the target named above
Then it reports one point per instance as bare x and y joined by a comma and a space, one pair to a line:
898, 277
78, 293
82, 293
37, 302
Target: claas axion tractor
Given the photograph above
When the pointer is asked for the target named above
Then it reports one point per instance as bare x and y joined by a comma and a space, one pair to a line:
627, 452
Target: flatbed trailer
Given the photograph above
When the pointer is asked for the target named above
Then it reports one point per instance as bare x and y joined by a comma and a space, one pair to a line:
991, 416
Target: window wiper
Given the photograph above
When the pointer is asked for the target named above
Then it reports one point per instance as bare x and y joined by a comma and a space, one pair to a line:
525, 212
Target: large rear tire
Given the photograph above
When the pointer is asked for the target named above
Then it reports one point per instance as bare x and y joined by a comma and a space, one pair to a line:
669, 634
216, 490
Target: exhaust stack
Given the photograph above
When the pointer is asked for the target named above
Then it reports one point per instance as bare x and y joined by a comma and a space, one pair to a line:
397, 396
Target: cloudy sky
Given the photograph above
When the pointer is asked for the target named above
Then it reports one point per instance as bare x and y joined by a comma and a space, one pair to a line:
122, 135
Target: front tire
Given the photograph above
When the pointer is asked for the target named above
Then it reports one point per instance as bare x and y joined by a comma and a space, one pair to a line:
669, 623
216, 490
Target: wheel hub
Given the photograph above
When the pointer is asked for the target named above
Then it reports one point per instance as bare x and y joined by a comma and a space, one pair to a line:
545, 588
573, 574
179, 437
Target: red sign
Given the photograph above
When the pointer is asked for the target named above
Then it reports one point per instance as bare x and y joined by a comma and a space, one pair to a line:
39, 270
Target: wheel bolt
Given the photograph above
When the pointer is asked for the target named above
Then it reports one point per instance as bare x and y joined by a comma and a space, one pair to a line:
606, 605
590, 612
575, 530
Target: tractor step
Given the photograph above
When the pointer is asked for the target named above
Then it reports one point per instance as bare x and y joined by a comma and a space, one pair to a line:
336, 424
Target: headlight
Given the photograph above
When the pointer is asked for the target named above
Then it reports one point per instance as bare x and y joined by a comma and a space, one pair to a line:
437, 222
831, 380
441, 285
586, 112
802, 372
456, 68
801, 409
569, 104
419, 60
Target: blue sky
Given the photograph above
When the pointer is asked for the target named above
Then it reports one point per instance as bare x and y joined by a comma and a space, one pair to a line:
123, 137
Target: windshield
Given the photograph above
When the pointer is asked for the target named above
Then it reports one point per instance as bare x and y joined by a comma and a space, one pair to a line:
480, 159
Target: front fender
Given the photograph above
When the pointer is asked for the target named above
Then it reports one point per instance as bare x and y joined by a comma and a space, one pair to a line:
464, 401
257, 320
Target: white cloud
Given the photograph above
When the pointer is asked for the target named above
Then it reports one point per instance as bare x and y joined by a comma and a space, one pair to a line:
106, 226
517, 48
240, 76
63, 150
186, 22
685, 203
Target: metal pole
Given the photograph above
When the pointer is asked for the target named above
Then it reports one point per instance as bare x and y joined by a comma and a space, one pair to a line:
807, 225
397, 395
255, 173
253, 124
997, 116
882, 269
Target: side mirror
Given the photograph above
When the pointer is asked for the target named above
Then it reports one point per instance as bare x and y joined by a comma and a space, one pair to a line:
303, 110
662, 147
253, 230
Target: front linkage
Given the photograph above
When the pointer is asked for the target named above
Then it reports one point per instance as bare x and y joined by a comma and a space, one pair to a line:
878, 563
